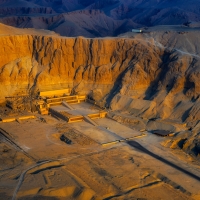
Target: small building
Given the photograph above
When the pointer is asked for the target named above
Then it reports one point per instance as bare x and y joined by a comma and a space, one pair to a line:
163, 133
136, 31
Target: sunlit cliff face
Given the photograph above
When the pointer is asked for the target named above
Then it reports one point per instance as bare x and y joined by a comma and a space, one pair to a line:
37, 61
102, 68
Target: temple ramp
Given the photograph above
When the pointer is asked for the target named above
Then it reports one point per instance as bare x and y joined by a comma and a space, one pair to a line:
64, 103
86, 118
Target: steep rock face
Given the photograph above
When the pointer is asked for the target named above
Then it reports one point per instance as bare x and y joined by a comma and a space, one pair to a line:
99, 61
15, 47
73, 60
103, 69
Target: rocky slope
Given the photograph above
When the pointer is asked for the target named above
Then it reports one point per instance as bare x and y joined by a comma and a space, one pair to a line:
94, 18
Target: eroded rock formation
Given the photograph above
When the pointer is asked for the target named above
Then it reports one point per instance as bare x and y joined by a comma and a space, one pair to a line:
43, 60
105, 69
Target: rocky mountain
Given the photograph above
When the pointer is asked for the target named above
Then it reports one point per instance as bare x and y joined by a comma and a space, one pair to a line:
94, 18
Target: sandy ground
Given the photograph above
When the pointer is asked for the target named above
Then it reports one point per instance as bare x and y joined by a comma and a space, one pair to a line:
47, 168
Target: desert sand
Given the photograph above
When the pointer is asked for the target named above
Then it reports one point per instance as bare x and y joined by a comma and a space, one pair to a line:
48, 168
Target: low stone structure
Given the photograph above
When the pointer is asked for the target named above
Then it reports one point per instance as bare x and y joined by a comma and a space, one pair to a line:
163, 133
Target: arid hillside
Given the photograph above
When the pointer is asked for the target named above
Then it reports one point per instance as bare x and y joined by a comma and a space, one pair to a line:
94, 18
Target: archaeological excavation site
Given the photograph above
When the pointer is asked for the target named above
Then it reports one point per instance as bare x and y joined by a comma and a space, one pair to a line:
99, 118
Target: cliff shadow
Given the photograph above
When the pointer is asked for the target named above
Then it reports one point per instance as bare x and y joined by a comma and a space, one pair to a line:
155, 85
139, 147
117, 85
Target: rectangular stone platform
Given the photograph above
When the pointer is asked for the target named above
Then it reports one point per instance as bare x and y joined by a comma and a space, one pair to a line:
55, 93
11, 119
77, 113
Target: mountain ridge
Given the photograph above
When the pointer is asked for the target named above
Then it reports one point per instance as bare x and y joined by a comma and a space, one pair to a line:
133, 14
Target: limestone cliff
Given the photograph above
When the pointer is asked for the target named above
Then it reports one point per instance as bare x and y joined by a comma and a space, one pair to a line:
107, 69
44, 61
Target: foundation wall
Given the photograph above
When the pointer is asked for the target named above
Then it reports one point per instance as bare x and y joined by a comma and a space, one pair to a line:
58, 114
68, 99
20, 118
75, 119
97, 115
55, 92
65, 118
